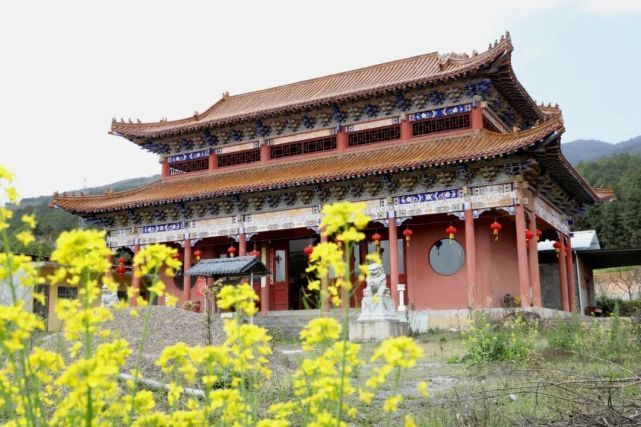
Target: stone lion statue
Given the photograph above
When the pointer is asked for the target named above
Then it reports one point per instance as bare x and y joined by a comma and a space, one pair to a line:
376, 281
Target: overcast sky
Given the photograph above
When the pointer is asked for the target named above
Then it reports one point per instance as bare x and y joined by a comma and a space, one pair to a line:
68, 67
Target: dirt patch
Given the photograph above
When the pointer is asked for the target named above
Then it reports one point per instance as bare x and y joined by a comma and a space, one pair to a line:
167, 326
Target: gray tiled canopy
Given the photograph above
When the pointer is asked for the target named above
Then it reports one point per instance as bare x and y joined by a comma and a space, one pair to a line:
219, 267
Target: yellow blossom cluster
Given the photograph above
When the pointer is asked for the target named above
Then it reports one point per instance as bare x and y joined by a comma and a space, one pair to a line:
207, 385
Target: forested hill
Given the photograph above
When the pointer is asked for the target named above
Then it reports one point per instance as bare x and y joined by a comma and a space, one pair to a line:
51, 222
591, 149
618, 223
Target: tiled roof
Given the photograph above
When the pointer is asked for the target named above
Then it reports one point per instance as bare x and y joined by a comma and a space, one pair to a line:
427, 68
237, 266
353, 162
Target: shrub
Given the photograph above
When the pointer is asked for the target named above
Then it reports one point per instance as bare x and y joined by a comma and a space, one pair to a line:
606, 304
512, 341
566, 334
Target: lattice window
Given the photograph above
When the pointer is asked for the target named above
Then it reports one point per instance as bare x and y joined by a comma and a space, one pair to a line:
67, 292
238, 158
371, 136
180, 168
443, 124
303, 147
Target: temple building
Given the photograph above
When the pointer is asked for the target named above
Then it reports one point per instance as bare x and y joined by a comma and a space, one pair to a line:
459, 168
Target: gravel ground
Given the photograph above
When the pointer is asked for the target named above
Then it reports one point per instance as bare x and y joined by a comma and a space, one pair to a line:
167, 326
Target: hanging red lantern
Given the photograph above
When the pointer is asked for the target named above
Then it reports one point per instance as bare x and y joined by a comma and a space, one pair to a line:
198, 253
309, 249
121, 261
231, 251
539, 233
495, 227
176, 255
407, 233
121, 270
376, 238
451, 232
557, 247
528, 236
255, 253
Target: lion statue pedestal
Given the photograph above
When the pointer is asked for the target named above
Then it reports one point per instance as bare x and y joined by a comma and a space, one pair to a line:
378, 319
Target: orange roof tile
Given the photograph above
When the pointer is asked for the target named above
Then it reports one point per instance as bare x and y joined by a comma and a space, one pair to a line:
427, 68
354, 162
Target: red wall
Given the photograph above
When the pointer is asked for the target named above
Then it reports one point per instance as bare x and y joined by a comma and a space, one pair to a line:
497, 270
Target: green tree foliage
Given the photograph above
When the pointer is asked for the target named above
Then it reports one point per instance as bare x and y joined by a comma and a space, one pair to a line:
618, 223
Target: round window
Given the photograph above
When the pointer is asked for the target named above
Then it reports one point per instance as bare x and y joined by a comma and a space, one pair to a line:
447, 256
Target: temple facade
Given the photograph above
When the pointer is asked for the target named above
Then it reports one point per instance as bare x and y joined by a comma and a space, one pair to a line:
459, 168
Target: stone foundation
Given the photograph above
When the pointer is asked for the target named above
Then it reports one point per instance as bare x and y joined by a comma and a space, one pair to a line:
368, 330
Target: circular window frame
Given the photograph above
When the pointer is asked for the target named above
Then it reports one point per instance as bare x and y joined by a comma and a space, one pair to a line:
440, 243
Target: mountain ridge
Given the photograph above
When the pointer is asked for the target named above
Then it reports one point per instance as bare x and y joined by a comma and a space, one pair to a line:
582, 150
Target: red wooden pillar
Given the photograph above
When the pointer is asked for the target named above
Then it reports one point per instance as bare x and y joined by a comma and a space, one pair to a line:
326, 301
570, 270
521, 253
135, 279
393, 257
242, 243
563, 276
186, 266
406, 129
213, 161
342, 139
265, 152
470, 258
535, 278
476, 116
264, 283
165, 168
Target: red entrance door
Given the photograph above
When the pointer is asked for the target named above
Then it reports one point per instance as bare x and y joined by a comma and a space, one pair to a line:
279, 263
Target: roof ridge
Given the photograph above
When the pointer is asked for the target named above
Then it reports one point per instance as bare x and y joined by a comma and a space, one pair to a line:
503, 43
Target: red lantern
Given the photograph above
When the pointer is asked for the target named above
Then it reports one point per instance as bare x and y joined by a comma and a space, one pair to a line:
198, 253
376, 238
539, 233
231, 251
121, 261
308, 251
176, 255
495, 227
528, 236
451, 232
407, 233
120, 270
255, 253
557, 247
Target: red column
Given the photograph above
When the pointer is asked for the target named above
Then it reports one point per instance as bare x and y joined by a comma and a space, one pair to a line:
187, 266
342, 139
521, 253
264, 290
242, 243
213, 161
563, 276
476, 116
470, 258
327, 302
406, 129
535, 278
265, 152
165, 168
393, 257
570, 270
135, 280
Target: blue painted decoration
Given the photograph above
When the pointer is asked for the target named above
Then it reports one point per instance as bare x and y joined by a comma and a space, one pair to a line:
429, 197
159, 228
194, 155
440, 112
